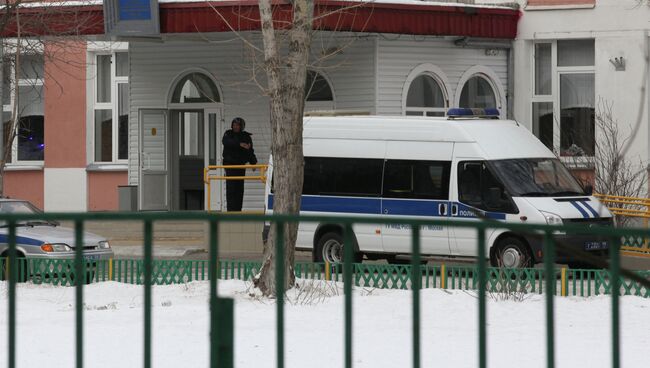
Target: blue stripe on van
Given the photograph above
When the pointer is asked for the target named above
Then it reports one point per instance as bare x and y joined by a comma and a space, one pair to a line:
407, 207
582, 211
4, 239
374, 206
368, 206
589, 208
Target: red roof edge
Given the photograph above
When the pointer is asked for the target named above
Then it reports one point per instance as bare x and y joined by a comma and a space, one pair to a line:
330, 15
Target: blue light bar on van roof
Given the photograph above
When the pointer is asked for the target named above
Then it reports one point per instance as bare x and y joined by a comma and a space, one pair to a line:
473, 113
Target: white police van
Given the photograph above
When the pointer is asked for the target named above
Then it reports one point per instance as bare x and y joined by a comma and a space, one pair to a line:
461, 167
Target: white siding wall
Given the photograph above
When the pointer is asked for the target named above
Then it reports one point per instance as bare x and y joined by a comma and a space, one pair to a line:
154, 66
397, 57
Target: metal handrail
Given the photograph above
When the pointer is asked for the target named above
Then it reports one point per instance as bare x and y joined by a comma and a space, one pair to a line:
207, 178
615, 205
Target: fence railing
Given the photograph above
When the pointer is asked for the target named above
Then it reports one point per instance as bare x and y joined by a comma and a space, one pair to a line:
209, 177
630, 208
146, 272
568, 282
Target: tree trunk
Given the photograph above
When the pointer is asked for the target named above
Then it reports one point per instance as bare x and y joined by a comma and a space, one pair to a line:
287, 102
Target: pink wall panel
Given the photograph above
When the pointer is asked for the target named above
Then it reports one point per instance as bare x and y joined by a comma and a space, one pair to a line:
102, 190
65, 105
25, 185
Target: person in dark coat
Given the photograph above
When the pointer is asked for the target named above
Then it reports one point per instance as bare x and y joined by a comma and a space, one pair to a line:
237, 150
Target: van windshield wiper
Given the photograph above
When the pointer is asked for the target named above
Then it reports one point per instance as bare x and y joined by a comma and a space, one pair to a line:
534, 194
568, 193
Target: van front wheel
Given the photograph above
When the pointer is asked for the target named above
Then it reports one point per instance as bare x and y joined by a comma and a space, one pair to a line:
330, 249
512, 253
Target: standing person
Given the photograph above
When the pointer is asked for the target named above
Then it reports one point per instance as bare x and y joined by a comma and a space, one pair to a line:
237, 150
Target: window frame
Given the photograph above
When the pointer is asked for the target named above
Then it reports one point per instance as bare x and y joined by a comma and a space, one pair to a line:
321, 105
438, 76
555, 98
113, 105
26, 82
445, 178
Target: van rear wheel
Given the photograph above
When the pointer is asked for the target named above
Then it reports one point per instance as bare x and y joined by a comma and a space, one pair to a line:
512, 253
330, 249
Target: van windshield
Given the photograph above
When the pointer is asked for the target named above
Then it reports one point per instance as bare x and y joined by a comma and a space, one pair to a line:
536, 177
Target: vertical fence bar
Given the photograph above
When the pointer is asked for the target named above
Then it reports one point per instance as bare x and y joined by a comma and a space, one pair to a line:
416, 280
482, 286
148, 252
348, 249
11, 264
549, 272
214, 228
279, 290
80, 276
615, 269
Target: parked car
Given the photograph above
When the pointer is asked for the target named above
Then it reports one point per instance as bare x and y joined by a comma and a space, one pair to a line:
41, 239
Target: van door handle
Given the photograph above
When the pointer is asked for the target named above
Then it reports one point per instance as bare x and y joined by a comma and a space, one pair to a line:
454, 209
442, 209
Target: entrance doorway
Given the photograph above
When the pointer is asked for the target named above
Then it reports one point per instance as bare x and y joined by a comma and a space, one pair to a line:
177, 143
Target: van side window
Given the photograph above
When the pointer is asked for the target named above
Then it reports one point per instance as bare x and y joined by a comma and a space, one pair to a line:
354, 177
416, 179
479, 188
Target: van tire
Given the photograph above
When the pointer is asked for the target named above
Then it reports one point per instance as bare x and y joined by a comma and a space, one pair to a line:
21, 261
512, 252
330, 248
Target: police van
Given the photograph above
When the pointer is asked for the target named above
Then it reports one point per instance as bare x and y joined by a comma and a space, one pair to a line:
467, 166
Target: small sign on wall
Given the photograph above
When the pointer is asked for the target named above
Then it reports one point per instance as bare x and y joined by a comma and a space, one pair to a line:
131, 18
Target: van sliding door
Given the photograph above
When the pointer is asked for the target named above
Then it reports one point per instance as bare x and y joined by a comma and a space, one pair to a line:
416, 186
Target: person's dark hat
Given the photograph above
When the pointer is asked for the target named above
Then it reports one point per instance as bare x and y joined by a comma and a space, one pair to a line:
239, 121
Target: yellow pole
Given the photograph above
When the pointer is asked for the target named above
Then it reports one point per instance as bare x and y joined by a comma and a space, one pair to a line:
328, 271
209, 191
443, 277
563, 281
110, 269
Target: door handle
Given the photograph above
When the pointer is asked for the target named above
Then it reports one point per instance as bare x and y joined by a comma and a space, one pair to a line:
442, 209
454, 209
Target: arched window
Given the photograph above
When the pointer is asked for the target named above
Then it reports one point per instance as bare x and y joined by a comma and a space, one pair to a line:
478, 92
195, 88
425, 97
317, 88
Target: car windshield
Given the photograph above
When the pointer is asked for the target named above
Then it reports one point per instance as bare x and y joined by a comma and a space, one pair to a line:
22, 207
537, 177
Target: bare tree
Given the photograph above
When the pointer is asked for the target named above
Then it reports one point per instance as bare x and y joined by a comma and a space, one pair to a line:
286, 90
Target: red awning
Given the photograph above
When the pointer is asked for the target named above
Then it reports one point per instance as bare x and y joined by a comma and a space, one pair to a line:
402, 18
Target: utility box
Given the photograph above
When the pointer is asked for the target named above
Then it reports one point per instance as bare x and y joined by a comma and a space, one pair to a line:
128, 197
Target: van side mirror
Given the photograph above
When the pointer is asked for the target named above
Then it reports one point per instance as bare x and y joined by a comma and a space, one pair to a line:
589, 190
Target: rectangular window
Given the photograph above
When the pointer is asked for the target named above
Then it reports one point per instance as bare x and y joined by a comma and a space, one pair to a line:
353, 177
111, 108
543, 122
416, 179
29, 133
543, 66
103, 78
103, 136
563, 105
577, 114
575, 53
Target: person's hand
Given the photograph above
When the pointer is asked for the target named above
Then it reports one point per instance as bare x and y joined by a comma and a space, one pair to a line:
245, 145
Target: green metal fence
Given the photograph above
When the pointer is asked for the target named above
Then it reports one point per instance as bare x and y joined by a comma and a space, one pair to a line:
147, 272
568, 282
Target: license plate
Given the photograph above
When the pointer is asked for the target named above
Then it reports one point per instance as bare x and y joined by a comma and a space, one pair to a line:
596, 245
92, 257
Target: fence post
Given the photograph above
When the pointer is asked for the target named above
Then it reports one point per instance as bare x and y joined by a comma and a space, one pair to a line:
11, 266
549, 272
615, 268
348, 249
148, 253
279, 290
482, 288
80, 277
416, 279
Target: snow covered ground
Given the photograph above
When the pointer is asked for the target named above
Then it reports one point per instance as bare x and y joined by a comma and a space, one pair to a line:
314, 328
